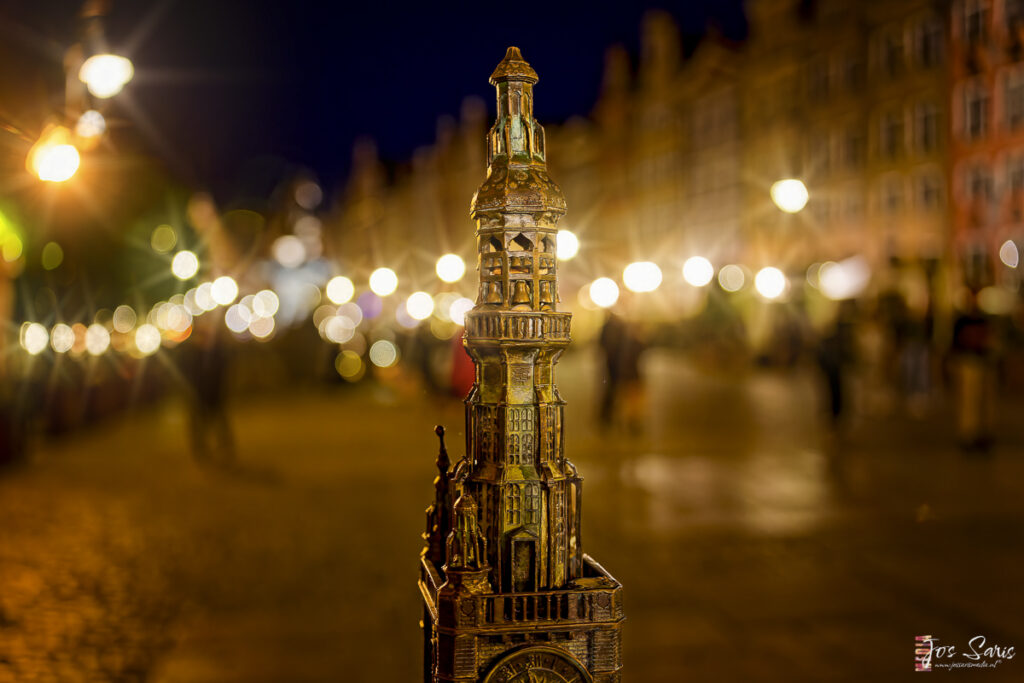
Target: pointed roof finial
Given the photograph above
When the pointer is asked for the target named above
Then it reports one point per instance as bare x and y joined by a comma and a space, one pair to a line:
513, 68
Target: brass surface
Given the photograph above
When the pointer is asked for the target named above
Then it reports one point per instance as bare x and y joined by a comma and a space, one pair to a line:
509, 595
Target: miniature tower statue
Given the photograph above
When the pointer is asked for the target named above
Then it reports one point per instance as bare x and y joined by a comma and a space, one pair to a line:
510, 596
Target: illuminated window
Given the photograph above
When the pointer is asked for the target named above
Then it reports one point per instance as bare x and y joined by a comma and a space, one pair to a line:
514, 504
976, 111
532, 503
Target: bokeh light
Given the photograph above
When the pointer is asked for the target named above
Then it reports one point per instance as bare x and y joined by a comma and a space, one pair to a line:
97, 339
163, 238
53, 158
224, 290
383, 353
790, 195
62, 338
124, 319
458, 310
266, 303
237, 318
844, 280
383, 281
604, 292
34, 338
185, 265
261, 327
289, 251
91, 124
642, 276
567, 245
52, 256
147, 339
419, 305
106, 75
698, 271
1009, 254
731, 278
450, 268
349, 365
340, 289
770, 282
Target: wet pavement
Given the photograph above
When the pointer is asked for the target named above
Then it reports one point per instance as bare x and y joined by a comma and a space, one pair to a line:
753, 546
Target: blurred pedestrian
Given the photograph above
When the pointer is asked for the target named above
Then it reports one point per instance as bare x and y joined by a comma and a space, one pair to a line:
622, 347
204, 364
973, 358
835, 355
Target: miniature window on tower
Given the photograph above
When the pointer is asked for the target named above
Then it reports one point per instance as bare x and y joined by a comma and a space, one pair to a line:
514, 504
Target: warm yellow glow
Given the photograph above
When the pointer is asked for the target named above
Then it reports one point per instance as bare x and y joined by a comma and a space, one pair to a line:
106, 75
97, 339
163, 238
604, 292
34, 338
770, 282
790, 195
147, 339
340, 289
185, 265
383, 281
450, 268
731, 278
568, 245
698, 271
53, 158
642, 276
52, 256
62, 338
1009, 254
349, 365
457, 311
224, 290
91, 124
383, 353
419, 305
844, 280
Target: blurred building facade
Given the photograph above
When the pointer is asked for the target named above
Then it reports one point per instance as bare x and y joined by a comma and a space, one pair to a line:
900, 117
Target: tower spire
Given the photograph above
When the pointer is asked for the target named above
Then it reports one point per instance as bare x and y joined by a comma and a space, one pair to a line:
514, 568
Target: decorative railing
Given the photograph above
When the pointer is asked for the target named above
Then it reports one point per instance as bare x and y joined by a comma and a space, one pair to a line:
525, 326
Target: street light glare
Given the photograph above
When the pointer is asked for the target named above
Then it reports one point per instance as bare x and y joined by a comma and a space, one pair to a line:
604, 292
450, 268
790, 195
90, 125
419, 305
224, 290
53, 158
770, 282
698, 271
731, 278
642, 276
340, 289
185, 265
383, 281
34, 338
106, 75
568, 245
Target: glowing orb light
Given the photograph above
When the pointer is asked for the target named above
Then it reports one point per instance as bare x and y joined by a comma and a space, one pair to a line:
698, 271
604, 292
451, 268
642, 276
383, 281
790, 195
106, 75
770, 282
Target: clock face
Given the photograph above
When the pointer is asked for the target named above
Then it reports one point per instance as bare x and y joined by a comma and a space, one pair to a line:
539, 664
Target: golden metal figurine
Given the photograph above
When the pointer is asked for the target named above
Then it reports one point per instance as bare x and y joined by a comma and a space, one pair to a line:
509, 595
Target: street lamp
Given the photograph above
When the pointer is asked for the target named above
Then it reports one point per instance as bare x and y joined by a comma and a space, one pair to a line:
53, 158
790, 195
106, 75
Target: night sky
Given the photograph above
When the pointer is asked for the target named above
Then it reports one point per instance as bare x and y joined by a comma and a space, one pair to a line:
232, 85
